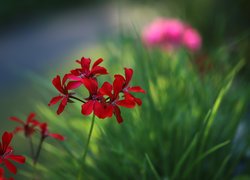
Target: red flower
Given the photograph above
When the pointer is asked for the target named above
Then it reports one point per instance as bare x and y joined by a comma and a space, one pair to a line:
64, 92
45, 132
113, 93
6, 153
2, 175
126, 88
28, 127
95, 102
85, 72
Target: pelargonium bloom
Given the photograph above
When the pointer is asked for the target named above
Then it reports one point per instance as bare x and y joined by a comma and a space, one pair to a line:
28, 127
85, 72
113, 91
6, 153
126, 88
95, 102
102, 102
45, 133
64, 96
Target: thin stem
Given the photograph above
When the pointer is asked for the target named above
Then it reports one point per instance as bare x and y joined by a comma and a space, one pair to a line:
86, 147
89, 137
76, 98
38, 151
152, 167
31, 148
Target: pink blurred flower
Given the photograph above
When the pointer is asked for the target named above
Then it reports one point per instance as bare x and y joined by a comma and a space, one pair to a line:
192, 39
172, 30
153, 34
170, 34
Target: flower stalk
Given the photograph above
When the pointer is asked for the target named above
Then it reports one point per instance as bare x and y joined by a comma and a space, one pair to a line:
89, 137
31, 148
38, 151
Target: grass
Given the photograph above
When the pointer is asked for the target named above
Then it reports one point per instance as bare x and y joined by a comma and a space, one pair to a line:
185, 129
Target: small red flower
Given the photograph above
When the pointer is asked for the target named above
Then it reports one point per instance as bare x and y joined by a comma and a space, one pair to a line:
64, 93
95, 102
45, 132
6, 153
85, 72
114, 102
28, 127
126, 88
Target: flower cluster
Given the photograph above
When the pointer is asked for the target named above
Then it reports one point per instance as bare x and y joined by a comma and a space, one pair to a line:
28, 127
7, 154
105, 100
31, 125
170, 34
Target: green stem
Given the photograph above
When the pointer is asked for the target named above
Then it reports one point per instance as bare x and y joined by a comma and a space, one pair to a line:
89, 137
87, 147
76, 98
152, 167
38, 151
31, 148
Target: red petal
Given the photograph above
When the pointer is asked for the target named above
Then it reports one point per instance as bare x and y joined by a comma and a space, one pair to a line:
44, 128
55, 100
11, 167
102, 110
57, 136
108, 111
1, 173
106, 89
85, 63
87, 108
6, 139
73, 85
13, 118
18, 129
138, 101
117, 113
132, 98
97, 62
91, 85
118, 85
99, 70
62, 105
128, 74
57, 83
17, 158
30, 117
65, 78
126, 103
35, 122
73, 76
136, 89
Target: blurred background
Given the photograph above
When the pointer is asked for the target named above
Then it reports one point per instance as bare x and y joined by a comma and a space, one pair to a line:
42, 38
39, 36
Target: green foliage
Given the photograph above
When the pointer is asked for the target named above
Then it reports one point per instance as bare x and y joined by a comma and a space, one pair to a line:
185, 128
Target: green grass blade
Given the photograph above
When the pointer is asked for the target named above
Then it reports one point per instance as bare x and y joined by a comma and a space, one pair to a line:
218, 100
224, 163
184, 157
152, 167
201, 157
